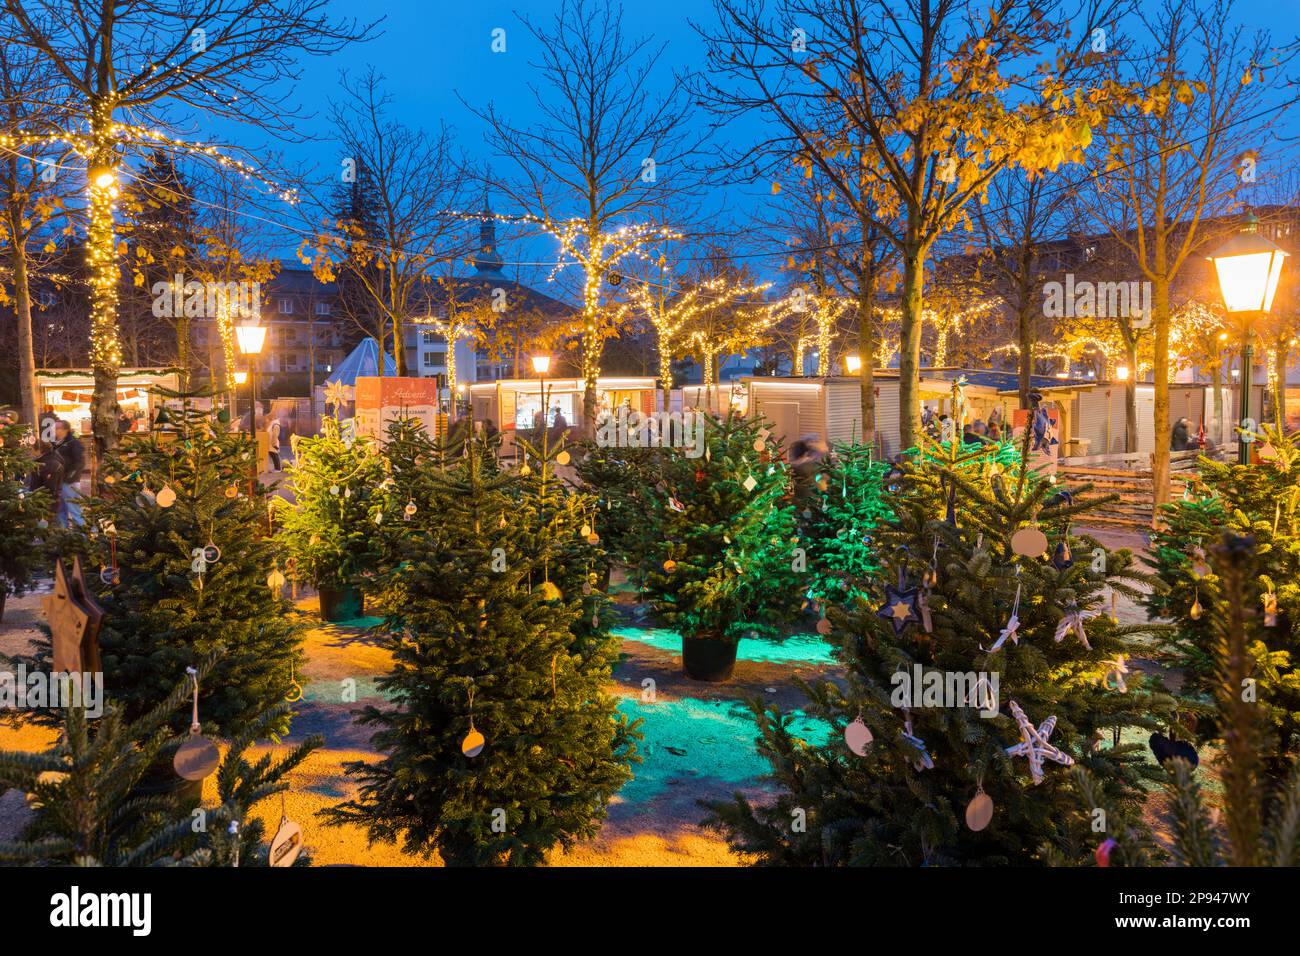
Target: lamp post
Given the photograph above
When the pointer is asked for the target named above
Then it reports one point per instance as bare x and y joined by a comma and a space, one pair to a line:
542, 365
251, 338
1248, 266
240, 376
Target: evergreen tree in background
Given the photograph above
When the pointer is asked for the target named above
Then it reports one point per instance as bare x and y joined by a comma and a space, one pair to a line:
328, 527
160, 231
620, 478
840, 512
719, 555
182, 533
1259, 500
86, 802
1260, 820
501, 741
24, 514
903, 799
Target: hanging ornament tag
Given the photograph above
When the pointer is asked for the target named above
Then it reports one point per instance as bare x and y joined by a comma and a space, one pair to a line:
275, 580
286, 845
979, 812
749, 483
166, 498
198, 757
1029, 542
858, 737
563, 458
669, 565
409, 510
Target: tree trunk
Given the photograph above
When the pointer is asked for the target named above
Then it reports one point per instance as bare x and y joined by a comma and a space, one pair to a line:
1130, 399
101, 258
1216, 383
867, 350
1279, 372
1160, 413
909, 349
23, 310
1025, 340
399, 346
183, 350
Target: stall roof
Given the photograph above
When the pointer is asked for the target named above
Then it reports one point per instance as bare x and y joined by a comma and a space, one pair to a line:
980, 378
623, 382
362, 360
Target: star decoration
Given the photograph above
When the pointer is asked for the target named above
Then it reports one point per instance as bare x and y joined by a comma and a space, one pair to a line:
74, 618
1033, 744
1072, 623
338, 395
901, 607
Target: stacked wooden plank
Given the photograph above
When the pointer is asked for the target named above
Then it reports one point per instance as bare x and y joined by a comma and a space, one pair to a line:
1133, 507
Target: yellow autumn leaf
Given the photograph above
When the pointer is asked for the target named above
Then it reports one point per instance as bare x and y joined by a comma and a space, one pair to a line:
776, 188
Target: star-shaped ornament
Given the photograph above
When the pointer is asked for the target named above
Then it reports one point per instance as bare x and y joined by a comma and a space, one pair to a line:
1072, 623
75, 618
1034, 744
901, 607
338, 395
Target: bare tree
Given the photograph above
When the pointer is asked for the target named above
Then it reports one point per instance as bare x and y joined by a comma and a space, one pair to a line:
1184, 93
416, 184
929, 98
605, 160
133, 67
32, 193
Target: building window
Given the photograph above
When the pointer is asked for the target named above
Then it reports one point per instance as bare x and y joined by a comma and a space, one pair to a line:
289, 362
430, 360
286, 306
430, 338
324, 308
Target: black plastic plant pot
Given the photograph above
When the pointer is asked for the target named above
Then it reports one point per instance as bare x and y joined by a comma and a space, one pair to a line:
341, 604
709, 659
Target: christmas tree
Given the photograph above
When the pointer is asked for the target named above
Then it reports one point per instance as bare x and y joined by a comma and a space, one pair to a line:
335, 479
24, 514
839, 513
976, 666
1258, 500
88, 809
183, 538
721, 549
1259, 824
620, 479
501, 741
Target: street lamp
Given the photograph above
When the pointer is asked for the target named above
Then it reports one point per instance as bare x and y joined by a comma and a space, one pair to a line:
852, 363
251, 338
1248, 267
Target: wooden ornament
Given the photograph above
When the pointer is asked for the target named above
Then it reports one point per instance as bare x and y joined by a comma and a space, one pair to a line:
473, 743
858, 737
563, 458
286, 845
166, 498
979, 812
823, 626
1029, 542
197, 758
550, 592
275, 580
593, 538
749, 483
74, 618
669, 565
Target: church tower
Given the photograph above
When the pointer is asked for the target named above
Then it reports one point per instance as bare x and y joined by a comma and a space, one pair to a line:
488, 262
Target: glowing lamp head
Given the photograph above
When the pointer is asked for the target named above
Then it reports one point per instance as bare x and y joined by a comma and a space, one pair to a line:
852, 363
103, 178
1121, 373
251, 338
241, 378
1248, 266
541, 364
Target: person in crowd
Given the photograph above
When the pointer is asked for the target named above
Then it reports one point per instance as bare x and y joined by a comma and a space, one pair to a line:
1182, 439
559, 422
273, 442
490, 430
72, 458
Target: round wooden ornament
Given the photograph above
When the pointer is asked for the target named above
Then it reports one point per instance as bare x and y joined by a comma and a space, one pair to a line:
166, 498
1029, 542
858, 736
473, 743
979, 812
197, 758
563, 458
285, 845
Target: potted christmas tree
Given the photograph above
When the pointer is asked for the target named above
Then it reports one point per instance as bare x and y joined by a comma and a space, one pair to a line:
335, 479
720, 556
501, 740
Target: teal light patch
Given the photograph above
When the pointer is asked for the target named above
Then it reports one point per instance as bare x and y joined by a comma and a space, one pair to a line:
694, 740
795, 649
